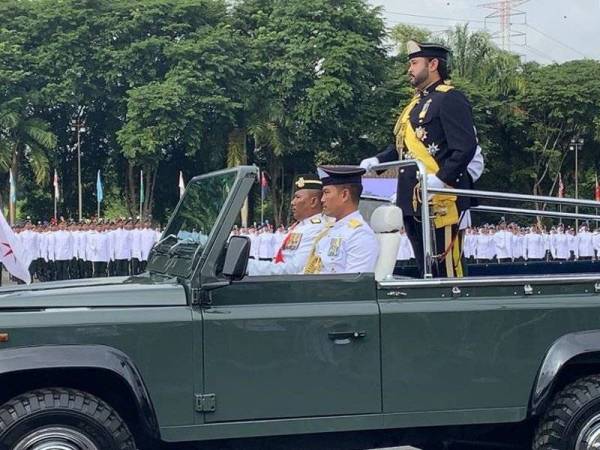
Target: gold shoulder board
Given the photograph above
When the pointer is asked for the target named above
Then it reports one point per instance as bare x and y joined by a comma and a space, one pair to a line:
315, 220
444, 88
354, 223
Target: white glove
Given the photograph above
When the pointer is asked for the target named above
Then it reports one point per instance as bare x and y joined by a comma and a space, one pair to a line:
434, 182
368, 163
477, 164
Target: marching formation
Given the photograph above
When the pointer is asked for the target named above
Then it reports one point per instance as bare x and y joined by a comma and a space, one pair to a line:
511, 242
501, 243
69, 250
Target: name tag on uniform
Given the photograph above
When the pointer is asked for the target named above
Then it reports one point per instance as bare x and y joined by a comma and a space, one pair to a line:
334, 246
293, 242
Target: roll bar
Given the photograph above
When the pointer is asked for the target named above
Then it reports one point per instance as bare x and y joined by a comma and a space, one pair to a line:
425, 191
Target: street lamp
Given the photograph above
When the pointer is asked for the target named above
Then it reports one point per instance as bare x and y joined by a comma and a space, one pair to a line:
78, 126
576, 144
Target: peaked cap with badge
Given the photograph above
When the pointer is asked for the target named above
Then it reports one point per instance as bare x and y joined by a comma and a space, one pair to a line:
308, 181
427, 50
336, 175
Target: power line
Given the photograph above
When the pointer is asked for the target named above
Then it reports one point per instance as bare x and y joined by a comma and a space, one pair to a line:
467, 21
457, 19
555, 40
537, 52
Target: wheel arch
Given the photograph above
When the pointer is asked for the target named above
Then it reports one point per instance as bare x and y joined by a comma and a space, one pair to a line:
570, 357
103, 371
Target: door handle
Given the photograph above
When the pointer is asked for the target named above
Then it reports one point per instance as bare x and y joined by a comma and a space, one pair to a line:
345, 337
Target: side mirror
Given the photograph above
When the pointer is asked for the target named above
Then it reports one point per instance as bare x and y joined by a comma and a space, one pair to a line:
236, 258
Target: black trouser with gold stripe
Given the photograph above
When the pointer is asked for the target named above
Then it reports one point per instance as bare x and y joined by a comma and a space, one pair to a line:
446, 247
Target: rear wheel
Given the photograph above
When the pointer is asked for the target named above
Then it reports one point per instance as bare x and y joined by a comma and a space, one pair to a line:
62, 419
573, 420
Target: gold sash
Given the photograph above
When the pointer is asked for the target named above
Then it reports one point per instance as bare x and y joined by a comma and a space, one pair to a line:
444, 207
314, 263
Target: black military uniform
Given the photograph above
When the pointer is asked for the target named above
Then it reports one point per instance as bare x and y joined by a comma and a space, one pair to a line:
441, 118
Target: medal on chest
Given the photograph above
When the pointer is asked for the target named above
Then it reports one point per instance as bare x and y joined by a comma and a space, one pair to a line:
433, 149
421, 133
293, 242
334, 246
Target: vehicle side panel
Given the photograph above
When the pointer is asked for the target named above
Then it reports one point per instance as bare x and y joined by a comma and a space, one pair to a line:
269, 354
479, 351
147, 335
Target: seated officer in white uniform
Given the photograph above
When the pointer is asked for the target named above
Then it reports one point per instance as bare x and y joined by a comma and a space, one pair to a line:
348, 245
292, 254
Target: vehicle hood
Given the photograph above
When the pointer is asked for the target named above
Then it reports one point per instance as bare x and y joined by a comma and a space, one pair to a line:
94, 292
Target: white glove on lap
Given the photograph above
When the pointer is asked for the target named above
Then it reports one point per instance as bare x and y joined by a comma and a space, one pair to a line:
368, 163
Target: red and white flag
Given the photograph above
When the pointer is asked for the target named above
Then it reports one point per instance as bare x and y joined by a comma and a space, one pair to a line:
181, 184
561, 187
597, 190
12, 254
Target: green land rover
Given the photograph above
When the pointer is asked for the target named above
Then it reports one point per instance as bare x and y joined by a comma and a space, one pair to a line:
195, 351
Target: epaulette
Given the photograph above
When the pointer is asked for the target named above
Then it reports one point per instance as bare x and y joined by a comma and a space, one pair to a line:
354, 223
444, 88
315, 220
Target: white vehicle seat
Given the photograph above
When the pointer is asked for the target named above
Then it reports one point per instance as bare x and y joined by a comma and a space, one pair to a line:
386, 222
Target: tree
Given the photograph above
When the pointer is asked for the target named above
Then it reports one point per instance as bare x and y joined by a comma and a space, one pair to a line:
320, 62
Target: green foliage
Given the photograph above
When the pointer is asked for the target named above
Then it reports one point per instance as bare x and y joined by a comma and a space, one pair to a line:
196, 85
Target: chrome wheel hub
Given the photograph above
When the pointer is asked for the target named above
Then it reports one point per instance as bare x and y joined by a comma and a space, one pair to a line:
55, 438
589, 436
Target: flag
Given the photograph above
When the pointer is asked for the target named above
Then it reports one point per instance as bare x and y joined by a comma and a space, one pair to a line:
264, 185
181, 184
13, 189
55, 185
141, 190
99, 190
597, 190
12, 254
561, 187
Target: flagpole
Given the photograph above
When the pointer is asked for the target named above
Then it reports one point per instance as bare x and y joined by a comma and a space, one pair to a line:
262, 198
11, 205
141, 193
55, 184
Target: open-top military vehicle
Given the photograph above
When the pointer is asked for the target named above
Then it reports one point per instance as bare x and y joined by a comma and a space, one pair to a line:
194, 350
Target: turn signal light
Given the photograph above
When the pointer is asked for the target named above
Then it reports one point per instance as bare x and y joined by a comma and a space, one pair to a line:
3, 337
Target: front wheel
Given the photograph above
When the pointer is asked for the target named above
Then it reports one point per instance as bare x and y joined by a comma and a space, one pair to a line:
573, 420
66, 419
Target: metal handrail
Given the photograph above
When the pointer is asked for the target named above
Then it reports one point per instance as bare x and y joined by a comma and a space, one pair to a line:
425, 191
515, 197
533, 212
425, 225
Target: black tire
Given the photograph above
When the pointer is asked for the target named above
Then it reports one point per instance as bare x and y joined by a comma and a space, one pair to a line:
574, 409
82, 416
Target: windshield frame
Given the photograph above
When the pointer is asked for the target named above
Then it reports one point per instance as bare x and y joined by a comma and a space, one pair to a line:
200, 253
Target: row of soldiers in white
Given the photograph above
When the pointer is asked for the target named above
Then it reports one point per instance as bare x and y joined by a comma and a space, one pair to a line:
483, 243
515, 243
95, 243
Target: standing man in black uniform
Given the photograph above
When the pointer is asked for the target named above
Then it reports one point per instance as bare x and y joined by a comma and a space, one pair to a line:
437, 129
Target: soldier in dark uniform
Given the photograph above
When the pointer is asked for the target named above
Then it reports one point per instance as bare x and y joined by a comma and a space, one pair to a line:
437, 129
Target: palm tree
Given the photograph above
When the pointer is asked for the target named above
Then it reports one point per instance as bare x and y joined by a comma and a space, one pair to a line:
24, 139
475, 57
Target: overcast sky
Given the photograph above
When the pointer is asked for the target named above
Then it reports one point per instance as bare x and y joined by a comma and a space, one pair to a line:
556, 30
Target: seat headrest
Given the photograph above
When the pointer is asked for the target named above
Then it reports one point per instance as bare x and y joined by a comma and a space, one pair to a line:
386, 219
